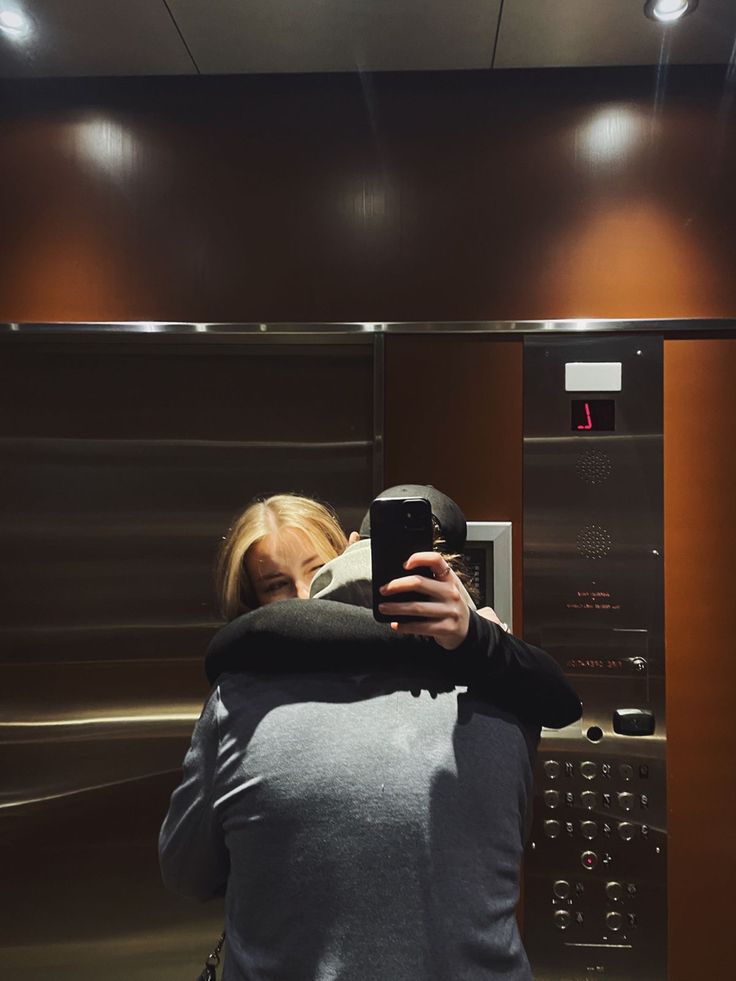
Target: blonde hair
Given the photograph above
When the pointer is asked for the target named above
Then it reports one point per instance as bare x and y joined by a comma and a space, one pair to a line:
260, 519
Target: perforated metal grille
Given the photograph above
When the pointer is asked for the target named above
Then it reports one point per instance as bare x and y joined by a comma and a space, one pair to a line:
593, 466
594, 542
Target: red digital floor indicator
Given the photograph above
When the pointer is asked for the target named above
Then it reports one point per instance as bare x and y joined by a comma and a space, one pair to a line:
589, 424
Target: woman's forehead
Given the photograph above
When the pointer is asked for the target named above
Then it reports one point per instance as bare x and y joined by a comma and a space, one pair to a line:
286, 545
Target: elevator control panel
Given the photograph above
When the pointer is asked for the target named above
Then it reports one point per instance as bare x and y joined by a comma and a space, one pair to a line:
595, 870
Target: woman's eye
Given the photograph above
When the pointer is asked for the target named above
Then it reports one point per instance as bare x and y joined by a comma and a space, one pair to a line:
277, 587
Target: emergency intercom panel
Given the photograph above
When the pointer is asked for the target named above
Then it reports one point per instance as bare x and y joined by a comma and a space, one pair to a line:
595, 888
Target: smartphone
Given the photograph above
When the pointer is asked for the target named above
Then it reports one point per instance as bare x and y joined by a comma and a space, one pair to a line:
400, 526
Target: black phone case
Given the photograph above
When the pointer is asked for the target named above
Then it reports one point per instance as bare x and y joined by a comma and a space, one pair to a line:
392, 542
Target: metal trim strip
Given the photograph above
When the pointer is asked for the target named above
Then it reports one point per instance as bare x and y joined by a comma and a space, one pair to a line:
357, 329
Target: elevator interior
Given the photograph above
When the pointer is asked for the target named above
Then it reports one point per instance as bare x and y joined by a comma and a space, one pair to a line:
127, 454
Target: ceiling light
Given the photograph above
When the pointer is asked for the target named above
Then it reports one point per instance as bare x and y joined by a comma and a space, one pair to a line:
14, 23
669, 11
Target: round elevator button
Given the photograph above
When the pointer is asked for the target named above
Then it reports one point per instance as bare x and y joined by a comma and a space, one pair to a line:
589, 829
627, 771
614, 920
589, 860
615, 890
588, 769
552, 829
552, 798
562, 919
552, 769
589, 799
561, 889
626, 830
625, 800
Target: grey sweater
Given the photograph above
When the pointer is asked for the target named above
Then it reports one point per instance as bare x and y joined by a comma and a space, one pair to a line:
365, 819
362, 832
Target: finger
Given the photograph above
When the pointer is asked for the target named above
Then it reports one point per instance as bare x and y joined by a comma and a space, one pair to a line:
438, 589
436, 563
435, 611
431, 559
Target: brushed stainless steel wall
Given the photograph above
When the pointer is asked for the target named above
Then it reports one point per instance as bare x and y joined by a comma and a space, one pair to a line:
124, 461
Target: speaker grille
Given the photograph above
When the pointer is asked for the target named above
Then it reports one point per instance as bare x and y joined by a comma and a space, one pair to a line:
594, 542
593, 466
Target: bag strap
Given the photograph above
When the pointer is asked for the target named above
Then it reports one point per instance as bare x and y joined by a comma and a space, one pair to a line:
213, 959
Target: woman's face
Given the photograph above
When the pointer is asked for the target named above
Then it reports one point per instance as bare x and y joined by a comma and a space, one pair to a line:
282, 565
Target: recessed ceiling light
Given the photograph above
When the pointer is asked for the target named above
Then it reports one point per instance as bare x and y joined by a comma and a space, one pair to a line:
669, 11
14, 22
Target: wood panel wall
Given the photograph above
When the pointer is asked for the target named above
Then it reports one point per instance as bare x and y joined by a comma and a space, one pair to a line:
700, 545
445, 196
453, 409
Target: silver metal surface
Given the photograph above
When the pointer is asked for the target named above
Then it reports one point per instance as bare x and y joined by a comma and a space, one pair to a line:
123, 465
322, 332
593, 597
379, 374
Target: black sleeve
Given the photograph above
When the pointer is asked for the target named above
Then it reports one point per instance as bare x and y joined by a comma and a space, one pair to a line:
323, 635
307, 635
524, 677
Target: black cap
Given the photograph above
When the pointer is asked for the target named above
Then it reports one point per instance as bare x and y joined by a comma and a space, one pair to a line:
448, 515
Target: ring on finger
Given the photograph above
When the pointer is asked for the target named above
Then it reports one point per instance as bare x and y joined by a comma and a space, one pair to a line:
442, 575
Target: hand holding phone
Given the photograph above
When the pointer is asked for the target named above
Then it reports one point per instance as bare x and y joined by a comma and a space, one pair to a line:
414, 588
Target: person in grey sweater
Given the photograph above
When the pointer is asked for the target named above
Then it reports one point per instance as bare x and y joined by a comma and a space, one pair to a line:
360, 796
